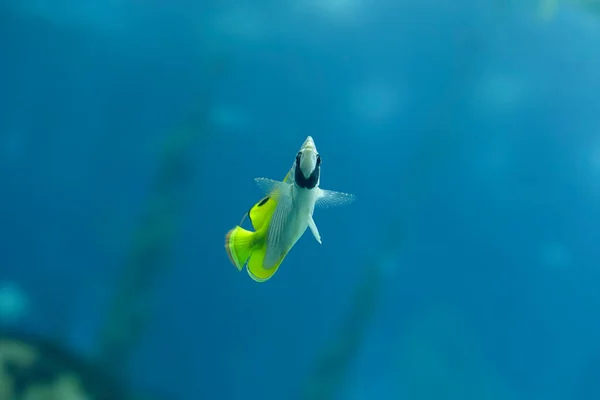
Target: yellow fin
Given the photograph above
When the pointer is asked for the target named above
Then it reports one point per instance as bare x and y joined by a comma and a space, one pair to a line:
287, 176
261, 212
239, 243
255, 265
246, 248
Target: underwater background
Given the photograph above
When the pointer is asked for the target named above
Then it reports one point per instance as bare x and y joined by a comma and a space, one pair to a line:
468, 267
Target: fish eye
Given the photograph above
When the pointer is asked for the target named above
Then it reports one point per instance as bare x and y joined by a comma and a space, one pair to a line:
298, 156
318, 159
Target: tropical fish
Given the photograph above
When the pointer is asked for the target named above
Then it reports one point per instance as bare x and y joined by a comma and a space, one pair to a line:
282, 216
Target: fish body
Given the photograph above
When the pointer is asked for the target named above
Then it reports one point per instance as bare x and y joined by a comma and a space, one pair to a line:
282, 216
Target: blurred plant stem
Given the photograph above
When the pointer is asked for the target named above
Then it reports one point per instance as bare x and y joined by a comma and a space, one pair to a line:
329, 372
441, 134
148, 258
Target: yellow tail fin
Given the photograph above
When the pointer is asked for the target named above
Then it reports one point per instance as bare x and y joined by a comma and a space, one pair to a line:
246, 248
239, 243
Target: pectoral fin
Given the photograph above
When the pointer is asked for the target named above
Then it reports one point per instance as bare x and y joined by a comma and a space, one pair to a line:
280, 235
330, 198
314, 229
271, 187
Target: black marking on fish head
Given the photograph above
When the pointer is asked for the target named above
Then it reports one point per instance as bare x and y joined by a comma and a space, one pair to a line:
313, 179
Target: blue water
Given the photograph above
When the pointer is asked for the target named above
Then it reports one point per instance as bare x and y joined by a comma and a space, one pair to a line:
467, 130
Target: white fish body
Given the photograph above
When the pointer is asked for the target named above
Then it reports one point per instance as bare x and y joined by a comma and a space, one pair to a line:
297, 197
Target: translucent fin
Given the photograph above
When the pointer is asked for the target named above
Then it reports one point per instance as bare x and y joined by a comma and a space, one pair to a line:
238, 243
270, 187
279, 236
314, 229
329, 198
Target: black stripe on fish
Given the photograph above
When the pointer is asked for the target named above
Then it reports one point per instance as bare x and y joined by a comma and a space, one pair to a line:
306, 183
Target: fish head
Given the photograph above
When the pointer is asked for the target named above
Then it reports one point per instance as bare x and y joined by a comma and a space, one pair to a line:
308, 158
308, 163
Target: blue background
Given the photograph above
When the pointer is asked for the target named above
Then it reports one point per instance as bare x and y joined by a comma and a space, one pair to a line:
468, 131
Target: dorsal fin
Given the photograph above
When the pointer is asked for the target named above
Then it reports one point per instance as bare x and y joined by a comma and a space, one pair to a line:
261, 212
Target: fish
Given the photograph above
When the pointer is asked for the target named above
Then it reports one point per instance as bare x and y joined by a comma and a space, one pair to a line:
282, 216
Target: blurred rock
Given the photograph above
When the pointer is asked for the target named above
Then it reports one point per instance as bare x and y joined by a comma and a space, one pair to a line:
32, 368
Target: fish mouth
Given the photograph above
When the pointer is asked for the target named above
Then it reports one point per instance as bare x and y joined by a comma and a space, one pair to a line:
309, 144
